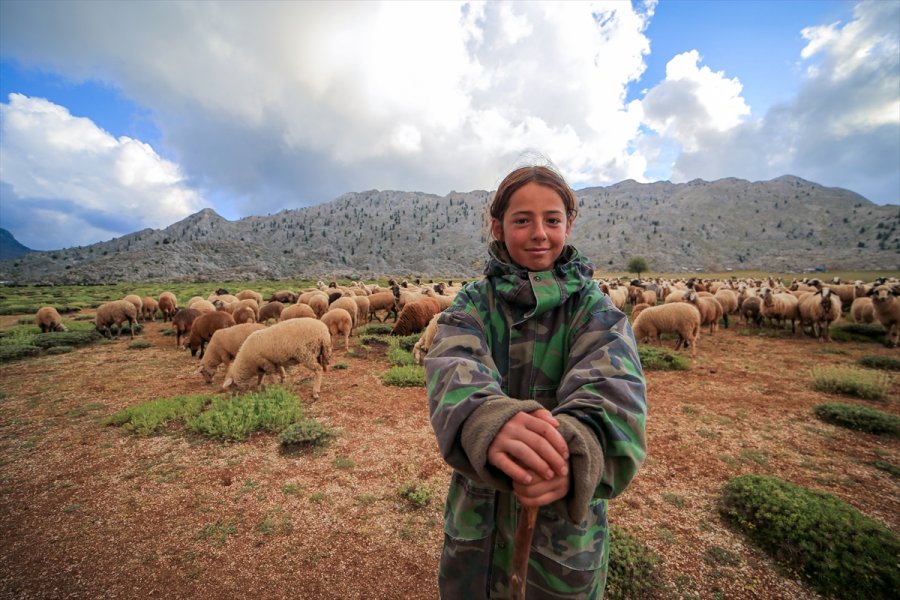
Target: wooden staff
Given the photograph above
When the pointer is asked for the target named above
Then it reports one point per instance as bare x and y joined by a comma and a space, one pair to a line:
521, 550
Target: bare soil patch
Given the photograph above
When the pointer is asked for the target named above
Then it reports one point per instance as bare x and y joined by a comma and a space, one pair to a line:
91, 511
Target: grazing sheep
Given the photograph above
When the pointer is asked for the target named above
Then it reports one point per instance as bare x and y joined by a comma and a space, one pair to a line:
202, 306
618, 295
318, 302
48, 319
385, 301
846, 292
298, 311
710, 309
284, 296
426, 340
348, 303
636, 310
682, 318
443, 301
414, 317
862, 310
250, 295
115, 313
295, 341
204, 327
247, 302
820, 310
168, 304
149, 306
244, 314
182, 322
226, 297
136, 300
223, 347
270, 310
362, 307
887, 311
750, 311
780, 307
339, 321
729, 301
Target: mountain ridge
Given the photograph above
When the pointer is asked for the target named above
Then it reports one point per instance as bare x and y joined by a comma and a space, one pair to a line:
785, 224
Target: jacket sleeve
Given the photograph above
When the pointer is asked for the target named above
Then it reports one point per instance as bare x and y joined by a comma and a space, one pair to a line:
602, 400
465, 398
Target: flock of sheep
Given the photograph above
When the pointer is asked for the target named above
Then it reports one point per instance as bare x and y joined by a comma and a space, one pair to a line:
252, 337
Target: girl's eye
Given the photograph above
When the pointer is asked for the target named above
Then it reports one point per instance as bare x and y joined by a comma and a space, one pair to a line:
554, 221
520, 221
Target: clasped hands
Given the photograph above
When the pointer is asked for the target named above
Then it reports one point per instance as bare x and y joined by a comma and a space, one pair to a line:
532, 452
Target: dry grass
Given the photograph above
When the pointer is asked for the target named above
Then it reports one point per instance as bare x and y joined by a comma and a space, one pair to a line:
88, 511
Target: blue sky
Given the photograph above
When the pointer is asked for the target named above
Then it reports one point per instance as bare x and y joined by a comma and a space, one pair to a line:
120, 116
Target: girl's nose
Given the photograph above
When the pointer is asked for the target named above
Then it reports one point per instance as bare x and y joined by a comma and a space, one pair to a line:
538, 233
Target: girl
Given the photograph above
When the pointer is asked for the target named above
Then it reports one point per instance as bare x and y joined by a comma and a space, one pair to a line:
537, 398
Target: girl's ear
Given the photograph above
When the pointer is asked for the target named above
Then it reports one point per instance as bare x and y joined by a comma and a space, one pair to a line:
497, 229
569, 223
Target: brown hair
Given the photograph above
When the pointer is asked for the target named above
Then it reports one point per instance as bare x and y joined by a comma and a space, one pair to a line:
535, 174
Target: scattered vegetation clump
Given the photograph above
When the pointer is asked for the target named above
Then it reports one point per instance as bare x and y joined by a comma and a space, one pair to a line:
887, 467
418, 494
859, 418
406, 342
19, 309
11, 352
655, 358
139, 344
340, 366
305, 433
875, 361
857, 332
65, 338
850, 381
405, 376
634, 570
832, 546
59, 350
235, 418
376, 329
399, 357
152, 417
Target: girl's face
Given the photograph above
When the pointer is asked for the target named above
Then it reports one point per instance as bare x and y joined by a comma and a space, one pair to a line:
534, 227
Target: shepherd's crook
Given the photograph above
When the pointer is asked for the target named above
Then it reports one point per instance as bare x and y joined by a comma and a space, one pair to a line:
521, 550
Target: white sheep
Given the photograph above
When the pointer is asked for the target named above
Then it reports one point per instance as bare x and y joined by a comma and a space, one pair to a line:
349, 304
426, 340
820, 310
297, 311
149, 306
116, 313
887, 311
682, 318
339, 322
780, 307
862, 310
295, 341
48, 319
136, 300
223, 347
710, 308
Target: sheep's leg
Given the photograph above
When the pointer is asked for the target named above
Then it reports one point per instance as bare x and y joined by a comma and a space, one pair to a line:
317, 381
346, 342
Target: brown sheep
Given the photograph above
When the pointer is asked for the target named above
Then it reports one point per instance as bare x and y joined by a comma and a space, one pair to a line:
348, 303
636, 310
182, 322
339, 321
48, 319
224, 346
115, 313
318, 302
414, 317
250, 295
284, 296
270, 310
780, 307
168, 304
244, 314
420, 350
149, 306
204, 327
362, 307
750, 311
298, 311
136, 300
729, 301
862, 310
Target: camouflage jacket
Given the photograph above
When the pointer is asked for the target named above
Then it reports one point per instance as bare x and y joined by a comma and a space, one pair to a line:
518, 341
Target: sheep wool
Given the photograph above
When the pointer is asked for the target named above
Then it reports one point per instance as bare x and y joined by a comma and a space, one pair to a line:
297, 311
182, 321
168, 304
296, 341
426, 340
224, 346
886, 303
349, 304
149, 306
414, 317
339, 322
204, 327
48, 319
862, 310
116, 313
819, 310
682, 318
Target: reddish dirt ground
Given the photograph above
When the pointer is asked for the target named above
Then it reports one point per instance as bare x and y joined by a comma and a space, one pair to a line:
88, 511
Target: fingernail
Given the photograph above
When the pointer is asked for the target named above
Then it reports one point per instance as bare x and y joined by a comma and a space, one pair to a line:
549, 474
565, 470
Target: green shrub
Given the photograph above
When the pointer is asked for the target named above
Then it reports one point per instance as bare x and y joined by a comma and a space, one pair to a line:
857, 332
339, 366
405, 376
859, 418
235, 418
376, 329
416, 493
60, 350
10, 352
139, 344
885, 363
634, 569
151, 417
305, 433
21, 309
65, 338
655, 358
850, 381
399, 357
406, 341
887, 467
836, 549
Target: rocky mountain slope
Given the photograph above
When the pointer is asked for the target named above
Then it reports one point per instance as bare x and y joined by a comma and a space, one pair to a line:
786, 224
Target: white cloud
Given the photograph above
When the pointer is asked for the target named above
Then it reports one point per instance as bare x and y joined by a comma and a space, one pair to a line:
82, 184
842, 128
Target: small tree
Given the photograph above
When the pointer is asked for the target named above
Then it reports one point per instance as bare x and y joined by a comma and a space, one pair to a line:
638, 265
